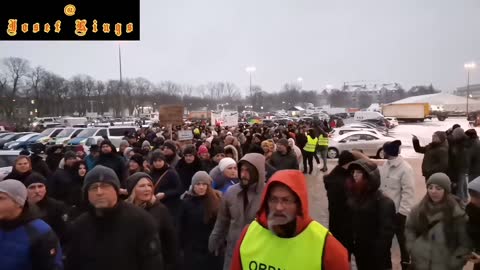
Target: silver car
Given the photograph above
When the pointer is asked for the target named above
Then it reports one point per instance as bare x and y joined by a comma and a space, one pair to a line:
370, 144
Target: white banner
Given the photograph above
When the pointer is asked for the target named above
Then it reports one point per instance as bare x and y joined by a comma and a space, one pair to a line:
185, 135
225, 118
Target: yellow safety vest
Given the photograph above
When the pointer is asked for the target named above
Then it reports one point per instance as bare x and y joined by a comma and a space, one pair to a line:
311, 144
322, 141
261, 249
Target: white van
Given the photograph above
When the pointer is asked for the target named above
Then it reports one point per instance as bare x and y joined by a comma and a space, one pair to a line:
80, 122
90, 136
365, 115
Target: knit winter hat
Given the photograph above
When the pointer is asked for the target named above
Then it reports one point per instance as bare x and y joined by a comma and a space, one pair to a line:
101, 174
133, 179
70, 155
225, 162
15, 190
190, 150
201, 177
137, 158
145, 144
202, 149
441, 180
157, 155
124, 143
170, 145
392, 148
217, 149
34, 178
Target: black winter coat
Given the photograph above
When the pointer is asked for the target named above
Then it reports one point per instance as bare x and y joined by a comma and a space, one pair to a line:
124, 238
435, 157
373, 223
166, 180
473, 159
194, 236
53, 213
473, 225
115, 162
167, 233
339, 215
284, 162
65, 185
186, 171
17, 176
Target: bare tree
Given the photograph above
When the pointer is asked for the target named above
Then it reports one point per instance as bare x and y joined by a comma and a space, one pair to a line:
17, 68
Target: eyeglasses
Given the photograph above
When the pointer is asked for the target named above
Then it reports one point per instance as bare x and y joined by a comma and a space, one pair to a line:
282, 201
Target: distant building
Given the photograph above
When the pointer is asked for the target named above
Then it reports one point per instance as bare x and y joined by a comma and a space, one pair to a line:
474, 91
379, 92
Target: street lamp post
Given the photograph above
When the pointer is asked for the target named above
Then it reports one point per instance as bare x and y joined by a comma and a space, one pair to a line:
468, 67
300, 80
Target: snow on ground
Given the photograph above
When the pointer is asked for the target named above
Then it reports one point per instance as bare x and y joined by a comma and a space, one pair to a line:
423, 131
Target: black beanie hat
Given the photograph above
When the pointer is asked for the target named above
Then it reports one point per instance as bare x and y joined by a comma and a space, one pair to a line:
133, 179
170, 145
392, 148
190, 150
137, 158
217, 149
102, 174
108, 142
34, 178
345, 157
156, 155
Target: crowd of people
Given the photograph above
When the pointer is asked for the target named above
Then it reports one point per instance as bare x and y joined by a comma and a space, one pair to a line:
236, 198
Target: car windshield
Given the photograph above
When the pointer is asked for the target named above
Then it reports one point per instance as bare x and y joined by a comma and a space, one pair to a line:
66, 132
46, 132
87, 133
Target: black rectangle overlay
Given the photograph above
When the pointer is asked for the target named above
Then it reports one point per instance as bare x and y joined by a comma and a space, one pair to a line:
49, 20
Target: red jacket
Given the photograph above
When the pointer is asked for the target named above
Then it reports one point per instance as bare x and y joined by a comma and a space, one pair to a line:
335, 256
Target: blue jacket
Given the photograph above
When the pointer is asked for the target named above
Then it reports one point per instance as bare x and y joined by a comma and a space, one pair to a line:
90, 161
28, 243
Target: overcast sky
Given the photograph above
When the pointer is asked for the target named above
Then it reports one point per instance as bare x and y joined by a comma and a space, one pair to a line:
324, 42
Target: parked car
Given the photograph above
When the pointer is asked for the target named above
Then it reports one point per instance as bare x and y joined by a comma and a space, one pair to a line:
370, 144
343, 130
65, 135
14, 145
47, 135
7, 159
12, 137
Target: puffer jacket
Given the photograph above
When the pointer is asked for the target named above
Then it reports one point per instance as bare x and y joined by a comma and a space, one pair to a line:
429, 249
232, 217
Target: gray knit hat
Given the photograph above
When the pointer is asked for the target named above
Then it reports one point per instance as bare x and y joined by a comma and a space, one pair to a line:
201, 176
15, 190
101, 174
441, 180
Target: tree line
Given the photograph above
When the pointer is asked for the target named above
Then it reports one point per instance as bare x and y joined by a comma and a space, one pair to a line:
48, 94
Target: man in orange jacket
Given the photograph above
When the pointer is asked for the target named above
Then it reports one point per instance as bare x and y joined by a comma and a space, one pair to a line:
283, 235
